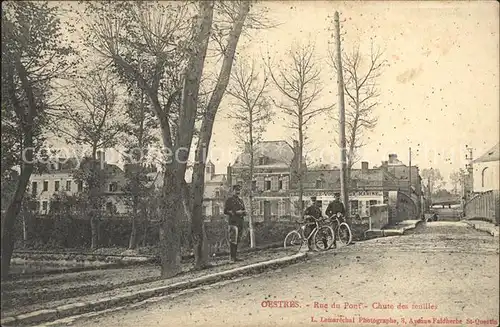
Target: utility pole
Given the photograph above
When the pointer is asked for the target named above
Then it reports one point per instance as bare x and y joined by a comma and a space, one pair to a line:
344, 192
409, 173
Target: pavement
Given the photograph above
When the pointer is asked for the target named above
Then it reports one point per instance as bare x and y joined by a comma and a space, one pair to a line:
44, 298
439, 273
484, 226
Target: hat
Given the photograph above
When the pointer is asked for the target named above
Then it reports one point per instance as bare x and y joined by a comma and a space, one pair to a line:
313, 198
337, 195
236, 187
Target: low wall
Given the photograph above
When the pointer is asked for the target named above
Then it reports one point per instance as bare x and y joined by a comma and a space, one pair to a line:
60, 233
484, 205
379, 216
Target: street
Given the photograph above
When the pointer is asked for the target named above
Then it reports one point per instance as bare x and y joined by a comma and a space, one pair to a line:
441, 273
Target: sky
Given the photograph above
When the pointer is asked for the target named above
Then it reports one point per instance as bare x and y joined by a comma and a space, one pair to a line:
439, 89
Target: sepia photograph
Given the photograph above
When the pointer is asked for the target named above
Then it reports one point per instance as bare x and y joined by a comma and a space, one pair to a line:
250, 163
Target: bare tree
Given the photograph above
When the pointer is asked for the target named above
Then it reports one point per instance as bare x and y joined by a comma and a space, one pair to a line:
456, 178
237, 13
34, 55
171, 41
252, 113
433, 181
141, 127
360, 86
299, 83
92, 118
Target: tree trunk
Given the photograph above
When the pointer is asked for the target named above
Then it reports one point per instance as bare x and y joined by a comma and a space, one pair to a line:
199, 238
8, 237
132, 244
300, 168
94, 201
170, 245
250, 213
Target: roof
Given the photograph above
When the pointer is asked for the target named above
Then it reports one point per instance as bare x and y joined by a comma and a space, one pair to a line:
279, 153
492, 154
217, 178
331, 177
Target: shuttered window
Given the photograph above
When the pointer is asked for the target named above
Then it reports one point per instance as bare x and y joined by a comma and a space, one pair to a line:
274, 183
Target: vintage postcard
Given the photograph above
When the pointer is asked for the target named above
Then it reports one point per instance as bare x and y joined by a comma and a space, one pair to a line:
250, 163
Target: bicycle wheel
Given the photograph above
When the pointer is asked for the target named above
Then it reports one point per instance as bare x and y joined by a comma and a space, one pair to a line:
344, 233
323, 239
293, 240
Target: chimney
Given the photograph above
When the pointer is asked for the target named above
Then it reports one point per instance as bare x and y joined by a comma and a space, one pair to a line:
364, 167
393, 158
229, 175
101, 156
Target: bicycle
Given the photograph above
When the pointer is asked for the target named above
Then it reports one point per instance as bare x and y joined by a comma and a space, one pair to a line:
342, 230
318, 234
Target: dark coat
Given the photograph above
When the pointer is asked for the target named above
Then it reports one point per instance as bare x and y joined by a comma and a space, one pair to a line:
334, 207
232, 205
313, 211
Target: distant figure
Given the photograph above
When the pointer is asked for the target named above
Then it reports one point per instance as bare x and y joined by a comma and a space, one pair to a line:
435, 217
235, 209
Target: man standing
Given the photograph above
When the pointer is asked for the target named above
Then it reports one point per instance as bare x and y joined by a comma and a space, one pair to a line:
235, 209
314, 211
334, 207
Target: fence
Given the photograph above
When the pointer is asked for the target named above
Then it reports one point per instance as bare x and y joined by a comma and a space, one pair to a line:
484, 205
66, 232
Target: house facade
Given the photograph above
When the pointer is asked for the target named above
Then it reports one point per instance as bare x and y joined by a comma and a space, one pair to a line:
59, 178
276, 194
275, 167
368, 187
486, 171
215, 193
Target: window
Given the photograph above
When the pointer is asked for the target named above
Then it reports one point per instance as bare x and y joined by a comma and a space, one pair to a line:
483, 175
217, 194
373, 202
45, 205
109, 207
68, 185
267, 185
113, 187
254, 185
215, 210
262, 160
56, 186
319, 183
80, 186
280, 184
45, 186
354, 206
34, 188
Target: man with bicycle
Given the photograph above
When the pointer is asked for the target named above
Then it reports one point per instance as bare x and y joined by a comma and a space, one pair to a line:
335, 207
313, 211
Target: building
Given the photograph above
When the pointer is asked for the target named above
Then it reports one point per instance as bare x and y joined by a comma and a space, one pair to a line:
367, 187
275, 167
486, 171
215, 193
59, 178
276, 193
485, 201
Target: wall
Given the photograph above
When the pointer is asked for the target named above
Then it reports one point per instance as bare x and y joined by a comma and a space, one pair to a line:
379, 216
401, 207
491, 176
485, 205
